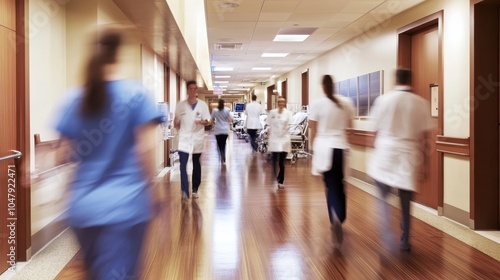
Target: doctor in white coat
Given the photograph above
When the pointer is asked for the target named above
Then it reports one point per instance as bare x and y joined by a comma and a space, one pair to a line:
401, 120
279, 140
329, 117
191, 117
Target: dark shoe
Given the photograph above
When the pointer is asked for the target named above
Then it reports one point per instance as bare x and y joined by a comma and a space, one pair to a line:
404, 246
337, 234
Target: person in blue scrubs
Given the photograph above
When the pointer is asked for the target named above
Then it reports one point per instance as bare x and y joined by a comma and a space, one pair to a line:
221, 117
108, 126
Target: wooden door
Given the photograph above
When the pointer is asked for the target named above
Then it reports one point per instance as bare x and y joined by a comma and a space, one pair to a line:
424, 66
8, 132
305, 88
271, 98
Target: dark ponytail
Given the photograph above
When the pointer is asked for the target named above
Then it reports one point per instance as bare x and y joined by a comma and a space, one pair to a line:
105, 52
328, 88
221, 105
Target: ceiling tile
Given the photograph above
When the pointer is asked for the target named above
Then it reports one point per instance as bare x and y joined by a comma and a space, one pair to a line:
361, 6
274, 16
279, 6
321, 6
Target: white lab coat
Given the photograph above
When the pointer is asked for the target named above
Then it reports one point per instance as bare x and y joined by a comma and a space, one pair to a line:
400, 118
279, 123
191, 136
253, 111
332, 122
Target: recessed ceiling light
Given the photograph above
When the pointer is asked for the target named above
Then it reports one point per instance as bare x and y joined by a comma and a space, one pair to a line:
221, 82
293, 34
274, 54
290, 38
222, 77
223, 68
228, 5
261, 68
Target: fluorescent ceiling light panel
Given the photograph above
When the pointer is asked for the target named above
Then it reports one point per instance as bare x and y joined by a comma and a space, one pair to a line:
290, 38
221, 82
293, 34
222, 77
274, 54
261, 68
223, 69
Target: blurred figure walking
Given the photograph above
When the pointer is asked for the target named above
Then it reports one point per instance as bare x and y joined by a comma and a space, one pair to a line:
401, 121
109, 125
221, 117
252, 123
329, 117
279, 140
191, 117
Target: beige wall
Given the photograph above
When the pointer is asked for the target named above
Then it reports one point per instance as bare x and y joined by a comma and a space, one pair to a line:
456, 182
376, 49
81, 18
59, 41
47, 78
261, 93
190, 17
47, 66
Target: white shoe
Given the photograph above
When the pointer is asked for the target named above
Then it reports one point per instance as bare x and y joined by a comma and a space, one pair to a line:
195, 195
281, 186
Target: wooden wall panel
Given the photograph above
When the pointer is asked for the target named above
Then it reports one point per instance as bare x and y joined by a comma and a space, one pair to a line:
305, 88
361, 137
284, 90
8, 14
484, 142
452, 145
7, 130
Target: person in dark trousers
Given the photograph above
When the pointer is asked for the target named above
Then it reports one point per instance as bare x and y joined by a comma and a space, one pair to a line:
109, 126
279, 140
221, 117
253, 110
329, 117
401, 120
191, 117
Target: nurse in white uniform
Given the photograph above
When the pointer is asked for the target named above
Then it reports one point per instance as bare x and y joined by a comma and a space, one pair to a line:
279, 140
329, 117
191, 117
401, 120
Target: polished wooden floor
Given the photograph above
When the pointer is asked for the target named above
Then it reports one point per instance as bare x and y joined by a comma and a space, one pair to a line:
243, 228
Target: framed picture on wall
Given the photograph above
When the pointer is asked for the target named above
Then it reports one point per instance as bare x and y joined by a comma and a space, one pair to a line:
362, 90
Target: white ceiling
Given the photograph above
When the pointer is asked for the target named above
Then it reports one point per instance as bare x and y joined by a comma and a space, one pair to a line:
254, 24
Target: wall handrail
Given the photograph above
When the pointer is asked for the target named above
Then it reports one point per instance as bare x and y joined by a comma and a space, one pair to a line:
17, 154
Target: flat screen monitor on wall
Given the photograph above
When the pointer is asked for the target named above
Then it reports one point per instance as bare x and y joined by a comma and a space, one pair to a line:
239, 107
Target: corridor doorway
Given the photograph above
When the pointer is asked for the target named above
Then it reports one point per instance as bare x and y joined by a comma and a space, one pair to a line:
419, 50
